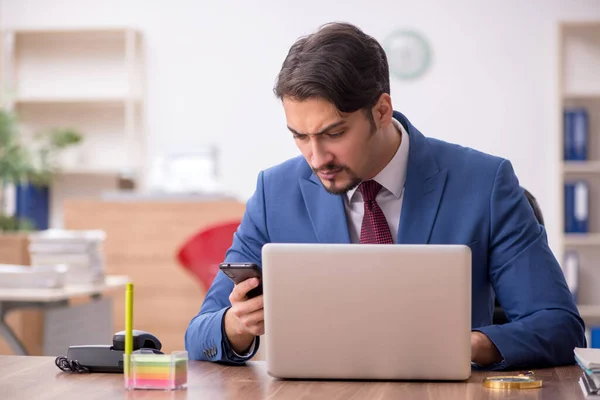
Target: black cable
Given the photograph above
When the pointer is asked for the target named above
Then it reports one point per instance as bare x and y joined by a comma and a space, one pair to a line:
69, 366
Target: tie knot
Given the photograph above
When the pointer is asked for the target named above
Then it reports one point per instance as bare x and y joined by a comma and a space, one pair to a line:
369, 190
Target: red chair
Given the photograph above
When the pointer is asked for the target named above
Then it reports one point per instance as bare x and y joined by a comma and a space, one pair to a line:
202, 253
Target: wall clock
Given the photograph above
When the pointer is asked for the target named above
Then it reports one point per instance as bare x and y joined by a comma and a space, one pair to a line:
408, 53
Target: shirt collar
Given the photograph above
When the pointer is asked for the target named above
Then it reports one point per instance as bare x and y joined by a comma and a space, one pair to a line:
393, 175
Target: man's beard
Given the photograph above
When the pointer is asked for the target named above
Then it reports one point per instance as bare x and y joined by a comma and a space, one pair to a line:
354, 179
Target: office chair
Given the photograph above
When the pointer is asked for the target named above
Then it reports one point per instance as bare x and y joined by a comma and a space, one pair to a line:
202, 253
499, 317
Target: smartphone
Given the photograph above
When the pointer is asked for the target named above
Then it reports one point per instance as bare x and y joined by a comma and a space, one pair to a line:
239, 272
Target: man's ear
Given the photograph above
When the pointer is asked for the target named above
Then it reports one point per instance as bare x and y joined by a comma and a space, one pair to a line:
383, 111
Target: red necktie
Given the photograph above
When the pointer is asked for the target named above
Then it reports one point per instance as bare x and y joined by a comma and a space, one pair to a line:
375, 229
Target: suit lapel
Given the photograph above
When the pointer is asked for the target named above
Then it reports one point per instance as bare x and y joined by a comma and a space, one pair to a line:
326, 212
423, 189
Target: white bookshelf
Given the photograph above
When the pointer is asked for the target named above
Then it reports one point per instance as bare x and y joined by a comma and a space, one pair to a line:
579, 86
88, 79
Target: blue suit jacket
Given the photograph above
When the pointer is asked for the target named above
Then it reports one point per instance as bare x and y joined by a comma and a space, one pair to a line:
453, 195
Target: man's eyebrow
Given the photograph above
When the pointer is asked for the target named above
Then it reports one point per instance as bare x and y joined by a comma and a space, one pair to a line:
327, 128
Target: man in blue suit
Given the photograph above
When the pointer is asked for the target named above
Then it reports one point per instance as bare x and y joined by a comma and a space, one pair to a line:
367, 175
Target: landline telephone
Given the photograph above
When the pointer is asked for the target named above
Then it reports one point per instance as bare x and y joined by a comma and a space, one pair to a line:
107, 358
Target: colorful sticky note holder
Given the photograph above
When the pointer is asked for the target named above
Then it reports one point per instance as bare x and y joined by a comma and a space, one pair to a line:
157, 371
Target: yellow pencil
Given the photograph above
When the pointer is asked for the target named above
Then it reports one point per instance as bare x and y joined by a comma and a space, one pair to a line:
128, 327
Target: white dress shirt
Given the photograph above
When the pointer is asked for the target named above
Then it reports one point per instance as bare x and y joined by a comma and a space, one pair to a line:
389, 198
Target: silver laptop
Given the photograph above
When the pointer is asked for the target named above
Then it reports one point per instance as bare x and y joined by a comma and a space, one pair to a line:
356, 311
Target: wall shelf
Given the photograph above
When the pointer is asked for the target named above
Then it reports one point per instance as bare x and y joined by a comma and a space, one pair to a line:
579, 87
90, 80
78, 101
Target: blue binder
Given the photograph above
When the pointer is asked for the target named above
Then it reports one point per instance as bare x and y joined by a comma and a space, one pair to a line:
576, 134
33, 204
595, 336
576, 207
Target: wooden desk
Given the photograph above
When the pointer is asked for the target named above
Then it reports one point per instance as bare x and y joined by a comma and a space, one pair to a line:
13, 299
38, 377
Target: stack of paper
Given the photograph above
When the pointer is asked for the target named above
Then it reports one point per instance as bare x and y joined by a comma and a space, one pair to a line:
26, 277
589, 361
80, 251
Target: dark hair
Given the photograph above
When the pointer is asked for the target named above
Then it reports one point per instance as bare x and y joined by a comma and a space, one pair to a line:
338, 63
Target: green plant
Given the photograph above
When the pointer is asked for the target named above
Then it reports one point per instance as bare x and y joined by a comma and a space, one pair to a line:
28, 162
48, 145
13, 224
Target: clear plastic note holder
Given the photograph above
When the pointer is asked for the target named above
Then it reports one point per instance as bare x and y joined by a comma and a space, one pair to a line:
156, 371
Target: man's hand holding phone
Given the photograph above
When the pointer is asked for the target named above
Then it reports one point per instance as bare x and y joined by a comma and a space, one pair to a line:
245, 319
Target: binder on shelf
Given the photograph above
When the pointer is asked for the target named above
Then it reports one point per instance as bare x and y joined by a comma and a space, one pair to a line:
595, 335
576, 134
571, 272
576, 207
33, 205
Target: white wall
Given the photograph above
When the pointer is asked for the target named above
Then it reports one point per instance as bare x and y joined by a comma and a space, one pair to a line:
211, 66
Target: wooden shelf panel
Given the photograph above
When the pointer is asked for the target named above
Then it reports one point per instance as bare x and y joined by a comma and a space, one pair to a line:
584, 167
591, 310
582, 239
594, 96
88, 172
75, 100
107, 31
590, 314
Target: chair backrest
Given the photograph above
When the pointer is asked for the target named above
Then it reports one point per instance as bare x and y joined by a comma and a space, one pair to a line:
202, 253
536, 207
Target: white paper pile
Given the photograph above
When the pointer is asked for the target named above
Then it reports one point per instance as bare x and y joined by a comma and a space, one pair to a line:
26, 277
81, 251
589, 361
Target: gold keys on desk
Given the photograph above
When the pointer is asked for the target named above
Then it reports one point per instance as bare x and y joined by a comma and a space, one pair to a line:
521, 381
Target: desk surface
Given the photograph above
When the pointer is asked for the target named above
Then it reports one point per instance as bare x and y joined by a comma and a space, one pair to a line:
25, 377
68, 291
